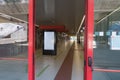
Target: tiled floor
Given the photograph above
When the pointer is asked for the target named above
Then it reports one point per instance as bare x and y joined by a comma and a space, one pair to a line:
105, 75
78, 63
106, 59
13, 70
47, 66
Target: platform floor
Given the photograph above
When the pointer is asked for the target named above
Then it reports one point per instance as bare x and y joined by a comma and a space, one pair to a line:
106, 58
105, 75
13, 70
47, 66
16, 67
68, 64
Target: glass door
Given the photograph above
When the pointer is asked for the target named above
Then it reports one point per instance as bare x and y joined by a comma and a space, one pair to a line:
13, 40
88, 40
107, 51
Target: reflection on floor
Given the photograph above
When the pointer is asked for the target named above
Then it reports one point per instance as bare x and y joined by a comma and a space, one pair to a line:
13, 62
13, 70
78, 63
105, 75
106, 59
49, 67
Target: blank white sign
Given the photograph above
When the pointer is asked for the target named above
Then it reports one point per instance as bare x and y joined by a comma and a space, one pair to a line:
101, 33
49, 40
114, 33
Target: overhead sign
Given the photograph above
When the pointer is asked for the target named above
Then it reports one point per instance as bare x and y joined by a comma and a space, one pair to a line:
52, 27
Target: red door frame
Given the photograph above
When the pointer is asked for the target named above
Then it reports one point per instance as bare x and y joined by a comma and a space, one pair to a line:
88, 39
88, 42
31, 40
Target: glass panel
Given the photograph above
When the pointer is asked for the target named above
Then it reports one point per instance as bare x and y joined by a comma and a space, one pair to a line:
8, 1
107, 52
11, 1
13, 47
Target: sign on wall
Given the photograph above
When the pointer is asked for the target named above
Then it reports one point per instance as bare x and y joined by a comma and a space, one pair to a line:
115, 43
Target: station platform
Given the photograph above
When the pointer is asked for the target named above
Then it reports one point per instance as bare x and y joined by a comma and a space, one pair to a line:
47, 67
106, 59
68, 64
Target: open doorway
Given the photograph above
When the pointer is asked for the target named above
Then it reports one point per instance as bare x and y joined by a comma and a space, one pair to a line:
59, 12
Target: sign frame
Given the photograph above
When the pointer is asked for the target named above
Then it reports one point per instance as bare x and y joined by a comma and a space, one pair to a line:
50, 52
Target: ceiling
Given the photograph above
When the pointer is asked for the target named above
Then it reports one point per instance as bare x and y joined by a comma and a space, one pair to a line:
58, 12
104, 7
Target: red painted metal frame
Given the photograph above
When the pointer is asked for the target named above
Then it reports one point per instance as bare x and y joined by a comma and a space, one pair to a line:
106, 70
88, 39
88, 51
57, 28
31, 39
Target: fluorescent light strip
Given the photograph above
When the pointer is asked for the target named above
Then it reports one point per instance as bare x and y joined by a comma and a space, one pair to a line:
108, 15
81, 24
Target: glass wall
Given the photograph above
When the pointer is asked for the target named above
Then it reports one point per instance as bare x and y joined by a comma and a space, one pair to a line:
13, 45
107, 51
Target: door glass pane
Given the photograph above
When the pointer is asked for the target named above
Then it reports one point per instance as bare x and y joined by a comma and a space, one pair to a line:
107, 51
13, 42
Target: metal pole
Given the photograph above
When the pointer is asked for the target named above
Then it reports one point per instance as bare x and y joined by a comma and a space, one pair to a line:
31, 37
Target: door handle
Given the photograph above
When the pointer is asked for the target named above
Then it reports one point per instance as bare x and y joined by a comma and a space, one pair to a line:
90, 61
